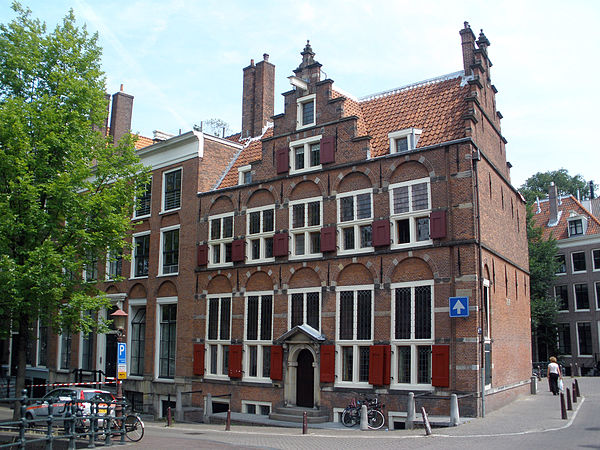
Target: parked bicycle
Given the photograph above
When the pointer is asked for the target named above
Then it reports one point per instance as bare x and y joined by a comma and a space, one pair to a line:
130, 423
375, 418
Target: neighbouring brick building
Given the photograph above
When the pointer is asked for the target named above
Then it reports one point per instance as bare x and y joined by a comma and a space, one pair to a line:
577, 285
311, 258
330, 249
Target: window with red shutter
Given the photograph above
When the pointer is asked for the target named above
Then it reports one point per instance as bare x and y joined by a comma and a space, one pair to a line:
328, 149
199, 359
327, 365
328, 236
282, 158
235, 361
280, 244
276, 362
238, 248
437, 225
203, 254
379, 364
381, 233
440, 365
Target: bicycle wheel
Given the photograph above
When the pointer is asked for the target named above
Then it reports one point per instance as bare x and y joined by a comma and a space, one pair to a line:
376, 419
134, 428
349, 417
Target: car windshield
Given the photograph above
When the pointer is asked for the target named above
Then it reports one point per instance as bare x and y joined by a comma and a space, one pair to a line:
103, 396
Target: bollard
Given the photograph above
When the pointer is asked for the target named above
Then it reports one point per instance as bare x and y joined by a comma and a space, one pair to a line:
304, 423
364, 420
569, 404
228, 421
410, 411
574, 393
169, 416
533, 386
577, 387
454, 414
563, 409
426, 421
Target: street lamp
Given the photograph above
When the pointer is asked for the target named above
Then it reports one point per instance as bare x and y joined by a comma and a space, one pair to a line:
119, 317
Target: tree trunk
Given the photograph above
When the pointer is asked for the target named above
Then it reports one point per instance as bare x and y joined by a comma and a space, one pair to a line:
20, 349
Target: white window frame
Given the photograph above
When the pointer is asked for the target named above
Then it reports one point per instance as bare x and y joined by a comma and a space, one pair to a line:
299, 116
411, 134
594, 268
163, 190
221, 242
355, 223
160, 302
412, 215
109, 260
143, 216
412, 342
584, 225
219, 343
305, 230
80, 355
557, 296
262, 236
573, 263
38, 344
558, 274
132, 274
575, 297
304, 291
597, 297
305, 144
133, 305
354, 343
577, 334
95, 270
558, 337
59, 368
258, 342
161, 253
257, 404
242, 171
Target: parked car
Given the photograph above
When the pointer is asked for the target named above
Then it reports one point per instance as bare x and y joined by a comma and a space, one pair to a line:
62, 398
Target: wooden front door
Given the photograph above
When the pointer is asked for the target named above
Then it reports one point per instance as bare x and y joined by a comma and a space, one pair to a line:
305, 380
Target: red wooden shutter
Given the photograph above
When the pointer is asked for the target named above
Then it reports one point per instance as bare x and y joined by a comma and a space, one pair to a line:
235, 361
381, 233
327, 366
440, 365
238, 248
387, 362
276, 362
437, 225
328, 149
203, 254
280, 244
328, 239
282, 160
199, 359
376, 363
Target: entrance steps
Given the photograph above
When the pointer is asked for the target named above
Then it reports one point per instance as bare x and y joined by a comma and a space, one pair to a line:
296, 414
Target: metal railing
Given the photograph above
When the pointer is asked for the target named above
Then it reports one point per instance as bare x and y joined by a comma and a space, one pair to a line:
65, 422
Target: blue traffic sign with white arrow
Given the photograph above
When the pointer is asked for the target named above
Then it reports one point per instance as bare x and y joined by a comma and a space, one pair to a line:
459, 306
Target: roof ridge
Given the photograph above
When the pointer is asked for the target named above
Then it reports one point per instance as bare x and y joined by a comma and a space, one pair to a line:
439, 79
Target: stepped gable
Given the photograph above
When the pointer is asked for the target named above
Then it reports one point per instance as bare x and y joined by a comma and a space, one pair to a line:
435, 106
560, 231
352, 107
252, 152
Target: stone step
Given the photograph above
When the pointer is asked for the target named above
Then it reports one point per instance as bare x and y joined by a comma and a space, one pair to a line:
297, 411
297, 418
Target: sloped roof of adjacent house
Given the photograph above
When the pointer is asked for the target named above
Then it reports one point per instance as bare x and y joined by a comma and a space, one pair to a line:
568, 206
143, 141
436, 106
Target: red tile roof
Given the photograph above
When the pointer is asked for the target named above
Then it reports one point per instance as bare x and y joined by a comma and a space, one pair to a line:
142, 142
560, 231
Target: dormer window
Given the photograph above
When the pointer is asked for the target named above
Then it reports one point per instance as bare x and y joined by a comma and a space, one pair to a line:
306, 112
245, 175
404, 140
577, 225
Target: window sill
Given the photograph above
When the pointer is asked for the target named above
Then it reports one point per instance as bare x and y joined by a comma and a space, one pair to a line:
135, 377
63, 371
219, 266
164, 380
260, 261
169, 211
162, 275
301, 257
306, 125
412, 387
146, 216
215, 377
355, 252
143, 277
352, 384
306, 170
411, 244
256, 380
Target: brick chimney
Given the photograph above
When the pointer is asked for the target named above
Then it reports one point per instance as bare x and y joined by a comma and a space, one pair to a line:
468, 48
553, 202
258, 96
120, 119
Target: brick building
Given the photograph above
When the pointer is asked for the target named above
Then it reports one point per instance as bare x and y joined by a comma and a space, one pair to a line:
311, 258
330, 249
577, 285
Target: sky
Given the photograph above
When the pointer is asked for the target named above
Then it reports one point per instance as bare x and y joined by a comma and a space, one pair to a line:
182, 60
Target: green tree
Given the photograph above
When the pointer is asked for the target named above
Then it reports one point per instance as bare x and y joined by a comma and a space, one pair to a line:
65, 191
543, 266
537, 185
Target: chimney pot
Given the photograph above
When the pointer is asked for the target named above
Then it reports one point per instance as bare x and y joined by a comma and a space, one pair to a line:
252, 62
553, 202
121, 87
265, 56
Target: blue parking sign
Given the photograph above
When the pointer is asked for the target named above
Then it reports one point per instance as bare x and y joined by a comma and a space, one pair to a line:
121, 353
459, 306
